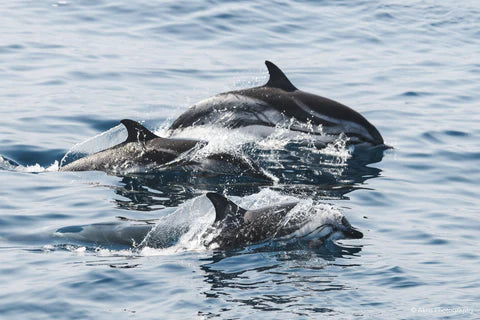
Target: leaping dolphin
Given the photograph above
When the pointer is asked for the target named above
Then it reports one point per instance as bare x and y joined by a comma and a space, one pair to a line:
143, 148
277, 102
233, 228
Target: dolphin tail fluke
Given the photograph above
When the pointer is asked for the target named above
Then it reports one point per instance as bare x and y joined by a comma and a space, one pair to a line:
137, 132
224, 208
277, 78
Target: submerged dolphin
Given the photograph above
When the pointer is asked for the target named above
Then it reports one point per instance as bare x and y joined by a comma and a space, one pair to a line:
277, 102
143, 148
240, 227
113, 233
234, 227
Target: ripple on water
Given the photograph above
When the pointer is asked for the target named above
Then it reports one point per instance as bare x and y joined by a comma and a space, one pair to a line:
414, 94
12, 48
72, 69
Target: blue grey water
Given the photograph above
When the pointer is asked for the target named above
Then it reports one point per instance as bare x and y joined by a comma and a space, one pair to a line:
70, 70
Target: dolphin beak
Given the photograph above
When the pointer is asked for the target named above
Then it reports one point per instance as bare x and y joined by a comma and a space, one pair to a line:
350, 232
353, 233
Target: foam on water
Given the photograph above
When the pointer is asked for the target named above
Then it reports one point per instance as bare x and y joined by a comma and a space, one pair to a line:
7, 164
38, 168
232, 140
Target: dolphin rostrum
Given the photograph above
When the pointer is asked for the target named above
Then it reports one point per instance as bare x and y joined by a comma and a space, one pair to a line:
280, 102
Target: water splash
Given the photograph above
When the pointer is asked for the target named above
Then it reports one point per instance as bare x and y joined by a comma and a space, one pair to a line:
182, 229
10, 165
241, 142
7, 164
100, 142
233, 141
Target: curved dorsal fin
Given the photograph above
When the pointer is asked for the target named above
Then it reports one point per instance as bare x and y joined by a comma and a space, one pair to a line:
224, 208
278, 79
137, 132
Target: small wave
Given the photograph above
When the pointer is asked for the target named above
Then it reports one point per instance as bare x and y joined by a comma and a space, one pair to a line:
7, 164
38, 168
80, 250
411, 94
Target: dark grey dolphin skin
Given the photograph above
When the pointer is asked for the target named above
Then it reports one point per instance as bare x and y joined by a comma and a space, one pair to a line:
276, 102
143, 148
240, 227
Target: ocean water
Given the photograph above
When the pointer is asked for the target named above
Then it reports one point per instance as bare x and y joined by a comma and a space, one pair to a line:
71, 70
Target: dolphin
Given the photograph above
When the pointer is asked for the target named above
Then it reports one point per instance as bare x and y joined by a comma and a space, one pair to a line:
240, 227
143, 148
279, 102
128, 233
233, 228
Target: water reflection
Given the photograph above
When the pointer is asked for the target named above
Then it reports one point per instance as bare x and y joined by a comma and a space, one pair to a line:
300, 172
268, 279
147, 192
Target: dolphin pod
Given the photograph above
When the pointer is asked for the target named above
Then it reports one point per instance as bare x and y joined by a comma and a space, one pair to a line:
260, 109
277, 102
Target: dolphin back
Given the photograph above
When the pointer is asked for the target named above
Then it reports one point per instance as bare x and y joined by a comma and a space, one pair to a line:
276, 101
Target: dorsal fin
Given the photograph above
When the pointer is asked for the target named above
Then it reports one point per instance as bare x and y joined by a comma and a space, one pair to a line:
137, 132
277, 78
224, 208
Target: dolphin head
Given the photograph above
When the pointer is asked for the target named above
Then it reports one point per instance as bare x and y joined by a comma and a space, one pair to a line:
348, 231
338, 228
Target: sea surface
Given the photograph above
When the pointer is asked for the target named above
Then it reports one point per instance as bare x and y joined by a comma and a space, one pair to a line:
71, 70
